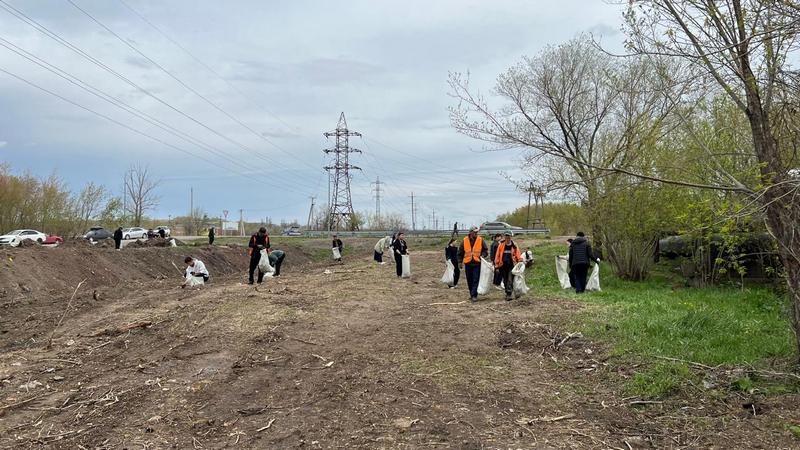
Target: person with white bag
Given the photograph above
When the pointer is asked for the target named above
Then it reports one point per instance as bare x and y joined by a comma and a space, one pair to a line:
579, 258
508, 255
470, 252
337, 247
258, 242
399, 250
452, 272
196, 273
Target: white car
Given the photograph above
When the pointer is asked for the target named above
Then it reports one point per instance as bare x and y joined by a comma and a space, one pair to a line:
134, 233
15, 237
162, 227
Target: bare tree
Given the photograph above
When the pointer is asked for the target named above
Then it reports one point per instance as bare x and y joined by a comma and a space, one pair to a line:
744, 48
140, 189
87, 204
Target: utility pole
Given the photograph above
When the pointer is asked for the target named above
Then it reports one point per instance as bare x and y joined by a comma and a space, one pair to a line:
241, 222
530, 191
377, 190
433, 216
341, 204
310, 213
413, 214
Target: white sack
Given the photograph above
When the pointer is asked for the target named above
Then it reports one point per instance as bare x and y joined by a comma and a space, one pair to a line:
562, 270
485, 280
263, 263
520, 288
192, 281
593, 284
449, 273
406, 261
172, 243
336, 254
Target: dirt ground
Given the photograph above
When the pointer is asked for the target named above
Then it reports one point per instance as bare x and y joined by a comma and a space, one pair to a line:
326, 356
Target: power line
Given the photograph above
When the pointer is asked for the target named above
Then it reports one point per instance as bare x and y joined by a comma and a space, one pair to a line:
122, 105
56, 37
185, 85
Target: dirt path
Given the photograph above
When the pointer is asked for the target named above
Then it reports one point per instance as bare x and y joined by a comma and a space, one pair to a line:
352, 358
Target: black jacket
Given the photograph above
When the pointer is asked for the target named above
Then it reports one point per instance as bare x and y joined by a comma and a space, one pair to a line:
118, 235
493, 250
256, 240
337, 243
451, 254
400, 246
484, 250
580, 252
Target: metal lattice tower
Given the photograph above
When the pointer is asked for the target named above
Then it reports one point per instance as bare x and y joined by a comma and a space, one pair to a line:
340, 209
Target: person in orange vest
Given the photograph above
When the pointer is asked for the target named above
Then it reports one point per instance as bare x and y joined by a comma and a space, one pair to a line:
470, 252
507, 256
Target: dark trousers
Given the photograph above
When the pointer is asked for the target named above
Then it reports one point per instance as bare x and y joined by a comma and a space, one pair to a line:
473, 273
378, 257
254, 259
456, 274
580, 273
498, 277
205, 277
210, 239
117, 243
398, 261
507, 278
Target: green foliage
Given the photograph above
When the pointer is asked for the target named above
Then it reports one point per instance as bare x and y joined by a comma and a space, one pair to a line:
710, 325
563, 219
660, 380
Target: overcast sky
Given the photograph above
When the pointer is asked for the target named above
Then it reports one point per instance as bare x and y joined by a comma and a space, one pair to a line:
275, 76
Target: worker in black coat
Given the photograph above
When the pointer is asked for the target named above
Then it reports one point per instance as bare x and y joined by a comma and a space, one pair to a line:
258, 242
580, 256
118, 238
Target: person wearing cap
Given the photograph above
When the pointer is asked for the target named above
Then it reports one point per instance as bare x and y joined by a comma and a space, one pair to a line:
337, 243
470, 251
259, 241
507, 256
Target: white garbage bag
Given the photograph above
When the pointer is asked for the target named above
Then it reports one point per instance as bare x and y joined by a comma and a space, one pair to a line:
406, 261
172, 243
336, 253
263, 263
593, 284
192, 281
485, 280
562, 270
520, 288
449, 273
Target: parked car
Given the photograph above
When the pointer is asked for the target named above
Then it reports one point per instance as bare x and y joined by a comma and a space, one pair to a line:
151, 233
14, 238
498, 226
134, 233
292, 231
165, 228
98, 234
52, 239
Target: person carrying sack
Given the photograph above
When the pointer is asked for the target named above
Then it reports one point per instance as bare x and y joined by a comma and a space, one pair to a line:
194, 269
451, 254
470, 251
399, 248
259, 241
507, 256
337, 244
580, 256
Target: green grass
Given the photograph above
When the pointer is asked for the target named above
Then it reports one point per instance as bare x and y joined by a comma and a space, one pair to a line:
659, 317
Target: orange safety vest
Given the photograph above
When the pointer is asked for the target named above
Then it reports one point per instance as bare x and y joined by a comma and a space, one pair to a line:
516, 256
472, 254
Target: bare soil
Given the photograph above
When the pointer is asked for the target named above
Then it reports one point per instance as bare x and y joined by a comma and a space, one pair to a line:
326, 356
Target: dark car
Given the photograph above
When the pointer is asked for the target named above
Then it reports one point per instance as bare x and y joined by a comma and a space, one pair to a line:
98, 234
292, 231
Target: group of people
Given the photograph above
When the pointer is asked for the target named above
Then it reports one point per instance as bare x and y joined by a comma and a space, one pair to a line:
399, 247
504, 253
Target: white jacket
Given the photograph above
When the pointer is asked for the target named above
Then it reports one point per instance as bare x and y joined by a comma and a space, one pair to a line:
383, 244
198, 268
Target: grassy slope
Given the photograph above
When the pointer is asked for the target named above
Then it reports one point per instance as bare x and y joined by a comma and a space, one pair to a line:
659, 317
